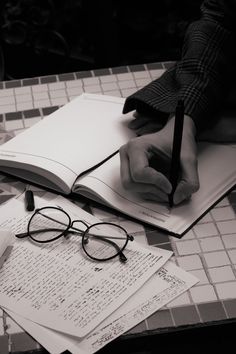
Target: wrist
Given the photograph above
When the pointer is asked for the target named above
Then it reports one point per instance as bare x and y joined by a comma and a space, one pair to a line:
189, 125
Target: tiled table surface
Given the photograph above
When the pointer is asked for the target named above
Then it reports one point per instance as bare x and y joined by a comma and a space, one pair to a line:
208, 251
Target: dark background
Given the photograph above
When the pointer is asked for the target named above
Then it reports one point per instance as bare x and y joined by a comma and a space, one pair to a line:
43, 37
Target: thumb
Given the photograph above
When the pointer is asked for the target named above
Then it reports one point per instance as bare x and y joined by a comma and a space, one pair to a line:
189, 182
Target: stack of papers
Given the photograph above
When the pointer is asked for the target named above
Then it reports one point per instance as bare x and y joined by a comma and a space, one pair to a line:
67, 301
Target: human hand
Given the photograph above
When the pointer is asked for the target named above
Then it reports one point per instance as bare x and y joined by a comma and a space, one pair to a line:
145, 162
145, 124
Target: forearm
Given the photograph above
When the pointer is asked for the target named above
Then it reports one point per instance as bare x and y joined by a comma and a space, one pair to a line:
199, 78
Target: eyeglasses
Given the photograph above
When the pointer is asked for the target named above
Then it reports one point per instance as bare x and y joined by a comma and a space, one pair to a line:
101, 241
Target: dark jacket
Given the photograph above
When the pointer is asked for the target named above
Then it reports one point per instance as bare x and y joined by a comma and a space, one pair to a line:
203, 75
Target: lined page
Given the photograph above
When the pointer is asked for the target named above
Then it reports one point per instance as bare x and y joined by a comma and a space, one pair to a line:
217, 173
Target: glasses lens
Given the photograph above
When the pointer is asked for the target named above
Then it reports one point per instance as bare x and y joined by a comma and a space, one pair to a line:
104, 241
47, 224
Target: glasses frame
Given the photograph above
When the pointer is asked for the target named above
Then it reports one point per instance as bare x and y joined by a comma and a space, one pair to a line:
70, 228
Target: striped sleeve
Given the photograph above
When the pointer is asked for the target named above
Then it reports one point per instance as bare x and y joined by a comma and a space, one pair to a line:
201, 76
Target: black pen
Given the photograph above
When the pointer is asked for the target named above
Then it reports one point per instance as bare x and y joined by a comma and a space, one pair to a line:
176, 149
29, 200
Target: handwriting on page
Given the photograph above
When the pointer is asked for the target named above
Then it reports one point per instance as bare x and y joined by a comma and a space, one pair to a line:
77, 293
59, 279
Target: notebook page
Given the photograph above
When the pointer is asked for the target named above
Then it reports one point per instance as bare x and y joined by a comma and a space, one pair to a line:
73, 139
217, 173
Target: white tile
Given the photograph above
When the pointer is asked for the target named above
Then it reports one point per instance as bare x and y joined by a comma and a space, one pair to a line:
108, 78
116, 93
190, 262
22, 106
232, 255
141, 74
109, 86
181, 300
221, 274
24, 98
41, 95
124, 76
58, 93
40, 88
227, 227
226, 290
127, 84
216, 259
201, 275
74, 91
203, 293
29, 122
7, 100
74, 83
7, 92
93, 89
91, 81
229, 240
204, 230
59, 101
211, 244
23, 90
223, 213
56, 85
42, 103
14, 124
8, 108
188, 247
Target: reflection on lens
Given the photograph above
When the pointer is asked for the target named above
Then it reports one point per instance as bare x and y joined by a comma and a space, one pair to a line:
47, 224
104, 241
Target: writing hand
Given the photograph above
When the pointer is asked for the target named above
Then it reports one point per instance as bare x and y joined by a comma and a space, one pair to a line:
145, 161
145, 124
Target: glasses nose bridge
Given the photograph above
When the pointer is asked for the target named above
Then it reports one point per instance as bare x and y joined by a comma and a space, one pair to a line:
73, 222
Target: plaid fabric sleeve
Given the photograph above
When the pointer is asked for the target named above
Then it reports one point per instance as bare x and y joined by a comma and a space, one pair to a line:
200, 76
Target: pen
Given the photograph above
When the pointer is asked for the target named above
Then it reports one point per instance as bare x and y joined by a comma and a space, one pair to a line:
176, 149
29, 200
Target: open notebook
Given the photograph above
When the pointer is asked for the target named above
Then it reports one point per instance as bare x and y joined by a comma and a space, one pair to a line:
75, 150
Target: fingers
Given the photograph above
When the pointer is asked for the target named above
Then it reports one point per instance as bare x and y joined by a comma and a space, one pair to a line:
144, 125
138, 176
189, 182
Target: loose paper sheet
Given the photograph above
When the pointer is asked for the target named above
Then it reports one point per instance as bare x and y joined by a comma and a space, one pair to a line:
57, 286
165, 285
